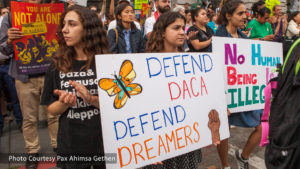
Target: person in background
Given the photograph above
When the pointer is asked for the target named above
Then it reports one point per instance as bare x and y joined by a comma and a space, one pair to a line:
179, 9
256, 7
210, 9
279, 23
232, 17
189, 21
202, 41
186, 6
293, 29
29, 89
126, 38
168, 37
113, 24
213, 22
3, 12
162, 6
81, 37
260, 28
8, 84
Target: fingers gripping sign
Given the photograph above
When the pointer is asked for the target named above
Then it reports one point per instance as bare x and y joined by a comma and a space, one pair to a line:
13, 34
214, 126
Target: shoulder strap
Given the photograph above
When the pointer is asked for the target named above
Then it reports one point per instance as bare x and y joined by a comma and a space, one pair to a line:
288, 55
117, 35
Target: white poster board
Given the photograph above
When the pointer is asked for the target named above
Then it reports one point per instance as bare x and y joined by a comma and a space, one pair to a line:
78, 2
171, 96
249, 65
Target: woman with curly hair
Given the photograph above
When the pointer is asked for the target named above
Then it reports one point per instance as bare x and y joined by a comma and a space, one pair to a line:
70, 88
168, 36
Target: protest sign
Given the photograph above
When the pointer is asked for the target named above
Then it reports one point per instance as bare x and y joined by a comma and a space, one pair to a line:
79, 2
248, 66
38, 23
155, 106
138, 3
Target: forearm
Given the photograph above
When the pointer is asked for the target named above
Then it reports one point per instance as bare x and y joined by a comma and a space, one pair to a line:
284, 28
103, 9
57, 108
277, 29
200, 45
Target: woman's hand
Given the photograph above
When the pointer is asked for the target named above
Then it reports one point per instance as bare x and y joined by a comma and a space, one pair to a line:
84, 94
13, 34
82, 91
269, 37
67, 98
191, 34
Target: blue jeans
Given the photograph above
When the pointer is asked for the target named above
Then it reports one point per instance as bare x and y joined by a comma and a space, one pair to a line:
10, 87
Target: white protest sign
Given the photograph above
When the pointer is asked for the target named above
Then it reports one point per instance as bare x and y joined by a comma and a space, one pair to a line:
79, 2
249, 65
171, 96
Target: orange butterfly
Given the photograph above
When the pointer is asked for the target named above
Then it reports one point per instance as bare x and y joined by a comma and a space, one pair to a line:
121, 85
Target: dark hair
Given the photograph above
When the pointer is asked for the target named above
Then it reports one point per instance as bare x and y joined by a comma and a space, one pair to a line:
228, 8
293, 15
195, 13
262, 12
187, 11
156, 40
255, 6
119, 10
93, 38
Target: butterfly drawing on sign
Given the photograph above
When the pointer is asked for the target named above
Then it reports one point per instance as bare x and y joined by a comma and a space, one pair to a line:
121, 86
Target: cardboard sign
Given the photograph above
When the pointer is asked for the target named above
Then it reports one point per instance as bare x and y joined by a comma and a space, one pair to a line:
138, 3
155, 106
249, 65
38, 23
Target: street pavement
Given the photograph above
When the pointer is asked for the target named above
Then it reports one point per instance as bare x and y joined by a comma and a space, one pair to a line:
210, 157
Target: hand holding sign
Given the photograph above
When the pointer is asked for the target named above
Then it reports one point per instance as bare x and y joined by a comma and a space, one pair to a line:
13, 33
214, 126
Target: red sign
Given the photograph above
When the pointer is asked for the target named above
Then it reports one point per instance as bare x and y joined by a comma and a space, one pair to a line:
38, 24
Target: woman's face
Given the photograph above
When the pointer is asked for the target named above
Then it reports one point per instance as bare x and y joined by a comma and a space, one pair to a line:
127, 15
297, 18
202, 17
174, 33
188, 16
238, 17
72, 29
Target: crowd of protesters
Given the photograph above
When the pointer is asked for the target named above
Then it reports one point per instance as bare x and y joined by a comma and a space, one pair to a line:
83, 32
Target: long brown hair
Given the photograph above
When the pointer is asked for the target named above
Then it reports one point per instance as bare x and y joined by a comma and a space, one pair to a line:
156, 41
93, 38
